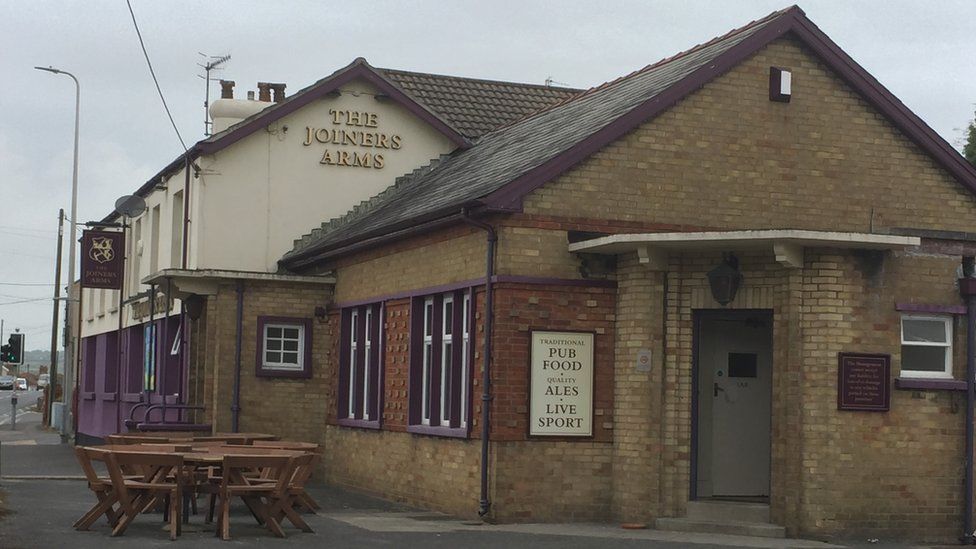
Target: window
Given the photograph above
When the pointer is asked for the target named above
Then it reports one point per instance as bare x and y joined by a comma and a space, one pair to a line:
360, 365
176, 231
284, 347
926, 346
154, 241
440, 363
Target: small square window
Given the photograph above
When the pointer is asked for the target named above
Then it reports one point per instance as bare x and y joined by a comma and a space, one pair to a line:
926, 346
284, 347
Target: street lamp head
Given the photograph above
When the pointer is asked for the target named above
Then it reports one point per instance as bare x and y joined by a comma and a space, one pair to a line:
48, 69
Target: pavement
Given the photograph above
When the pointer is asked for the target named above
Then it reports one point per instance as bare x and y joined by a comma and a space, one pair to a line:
42, 493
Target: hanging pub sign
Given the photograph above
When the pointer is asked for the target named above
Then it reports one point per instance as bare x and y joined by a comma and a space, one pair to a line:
561, 392
102, 259
863, 382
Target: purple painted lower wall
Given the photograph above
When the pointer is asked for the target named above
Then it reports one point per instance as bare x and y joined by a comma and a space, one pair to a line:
109, 370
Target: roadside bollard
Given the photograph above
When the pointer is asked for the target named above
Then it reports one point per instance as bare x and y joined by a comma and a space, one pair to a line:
13, 416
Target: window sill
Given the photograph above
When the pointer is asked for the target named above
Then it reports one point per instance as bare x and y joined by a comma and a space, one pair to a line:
284, 374
449, 432
931, 384
87, 395
106, 397
131, 397
359, 423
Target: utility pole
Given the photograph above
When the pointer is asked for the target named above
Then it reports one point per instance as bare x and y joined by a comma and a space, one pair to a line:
53, 370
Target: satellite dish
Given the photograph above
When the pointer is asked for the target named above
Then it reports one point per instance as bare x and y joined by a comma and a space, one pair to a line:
130, 205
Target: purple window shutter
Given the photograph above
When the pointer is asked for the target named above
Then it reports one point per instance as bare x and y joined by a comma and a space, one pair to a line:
343, 400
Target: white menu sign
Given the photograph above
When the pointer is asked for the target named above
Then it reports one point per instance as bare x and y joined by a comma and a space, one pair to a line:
561, 392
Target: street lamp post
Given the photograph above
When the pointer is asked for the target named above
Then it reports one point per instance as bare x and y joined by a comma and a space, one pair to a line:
67, 427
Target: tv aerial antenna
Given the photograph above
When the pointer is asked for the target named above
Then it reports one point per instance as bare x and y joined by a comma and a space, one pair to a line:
213, 63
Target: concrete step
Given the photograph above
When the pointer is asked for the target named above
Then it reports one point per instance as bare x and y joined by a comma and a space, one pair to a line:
721, 511
735, 528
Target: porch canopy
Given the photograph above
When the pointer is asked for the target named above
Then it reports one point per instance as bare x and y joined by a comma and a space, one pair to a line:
187, 282
786, 244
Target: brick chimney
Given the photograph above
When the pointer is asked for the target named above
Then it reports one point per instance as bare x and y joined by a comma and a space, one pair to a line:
279, 92
264, 92
226, 89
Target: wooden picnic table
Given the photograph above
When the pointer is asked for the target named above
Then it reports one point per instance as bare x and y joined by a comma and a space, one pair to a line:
180, 437
269, 479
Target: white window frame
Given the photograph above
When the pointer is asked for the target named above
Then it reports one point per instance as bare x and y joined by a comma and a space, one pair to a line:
447, 356
284, 366
367, 356
465, 357
946, 372
353, 353
175, 349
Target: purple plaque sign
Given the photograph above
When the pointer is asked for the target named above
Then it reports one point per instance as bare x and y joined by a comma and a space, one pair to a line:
102, 259
863, 382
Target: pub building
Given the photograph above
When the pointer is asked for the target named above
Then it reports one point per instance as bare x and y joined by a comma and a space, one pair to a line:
725, 293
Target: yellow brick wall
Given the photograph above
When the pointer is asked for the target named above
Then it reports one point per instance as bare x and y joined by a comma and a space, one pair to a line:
432, 472
728, 157
293, 409
833, 473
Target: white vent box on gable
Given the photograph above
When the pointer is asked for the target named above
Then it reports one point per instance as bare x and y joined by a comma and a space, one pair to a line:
780, 84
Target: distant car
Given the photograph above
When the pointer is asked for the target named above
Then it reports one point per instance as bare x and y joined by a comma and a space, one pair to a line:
43, 380
21, 384
7, 383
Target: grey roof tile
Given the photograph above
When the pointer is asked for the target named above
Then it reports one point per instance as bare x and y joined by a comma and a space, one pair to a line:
501, 156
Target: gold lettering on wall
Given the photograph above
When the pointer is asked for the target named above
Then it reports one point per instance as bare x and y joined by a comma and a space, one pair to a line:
354, 131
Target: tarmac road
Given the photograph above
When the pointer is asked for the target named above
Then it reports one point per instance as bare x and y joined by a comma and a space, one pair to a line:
25, 403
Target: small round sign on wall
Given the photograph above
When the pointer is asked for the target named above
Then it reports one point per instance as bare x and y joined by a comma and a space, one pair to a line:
644, 360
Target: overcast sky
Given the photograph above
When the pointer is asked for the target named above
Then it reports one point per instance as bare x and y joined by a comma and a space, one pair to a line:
922, 51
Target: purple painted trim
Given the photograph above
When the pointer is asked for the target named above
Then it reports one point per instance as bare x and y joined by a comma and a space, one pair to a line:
131, 397
927, 308
511, 194
967, 287
433, 430
359, 423
261, 371
357, 69
930, 384
87, 395
793, 20
106, 397
882, 99
475, 282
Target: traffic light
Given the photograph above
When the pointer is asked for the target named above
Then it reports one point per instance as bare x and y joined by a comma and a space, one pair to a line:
4, 353
15, 350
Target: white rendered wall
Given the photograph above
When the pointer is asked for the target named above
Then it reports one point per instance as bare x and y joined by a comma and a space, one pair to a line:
251, 200
269, 189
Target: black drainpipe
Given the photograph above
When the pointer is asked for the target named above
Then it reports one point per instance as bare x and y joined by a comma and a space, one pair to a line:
967, 288
484, 504
235, 407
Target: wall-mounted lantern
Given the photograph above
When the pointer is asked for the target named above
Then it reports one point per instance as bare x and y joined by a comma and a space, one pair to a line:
725, 279
194, 306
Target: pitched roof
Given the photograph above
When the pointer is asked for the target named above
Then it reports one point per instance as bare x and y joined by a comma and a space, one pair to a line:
459, 108
508, 163
475, 106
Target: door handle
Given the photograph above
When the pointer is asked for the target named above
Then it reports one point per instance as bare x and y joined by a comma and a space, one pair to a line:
717, 389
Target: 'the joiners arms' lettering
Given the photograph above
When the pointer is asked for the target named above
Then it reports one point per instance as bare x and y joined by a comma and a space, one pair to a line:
353, 138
